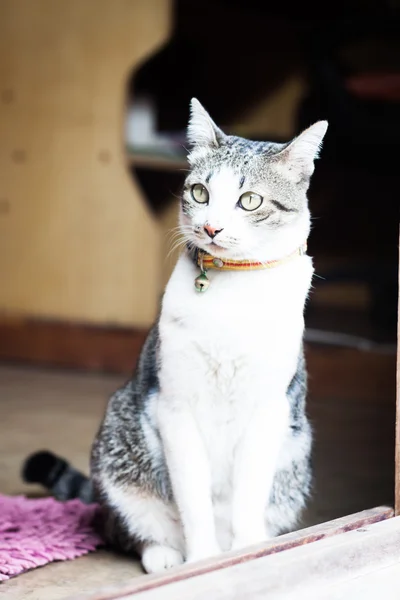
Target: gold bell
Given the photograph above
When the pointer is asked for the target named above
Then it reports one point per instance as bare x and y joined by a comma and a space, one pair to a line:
201, 283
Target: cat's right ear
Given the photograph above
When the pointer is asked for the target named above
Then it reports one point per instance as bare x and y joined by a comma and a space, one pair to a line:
298, 157
202, 131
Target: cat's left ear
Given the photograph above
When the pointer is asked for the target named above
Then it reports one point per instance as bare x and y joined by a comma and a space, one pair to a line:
298, 157
202, 131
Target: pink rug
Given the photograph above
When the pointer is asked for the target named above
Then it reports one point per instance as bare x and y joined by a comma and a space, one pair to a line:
36, 532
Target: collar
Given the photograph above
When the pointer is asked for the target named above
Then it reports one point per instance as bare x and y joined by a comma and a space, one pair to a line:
206, 261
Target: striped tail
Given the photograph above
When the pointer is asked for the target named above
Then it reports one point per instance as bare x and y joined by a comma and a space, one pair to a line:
57, 475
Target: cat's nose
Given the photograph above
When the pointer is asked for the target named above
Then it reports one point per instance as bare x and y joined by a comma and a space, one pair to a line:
211, 231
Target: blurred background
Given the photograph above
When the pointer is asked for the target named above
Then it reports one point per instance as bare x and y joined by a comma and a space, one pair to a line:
94, 98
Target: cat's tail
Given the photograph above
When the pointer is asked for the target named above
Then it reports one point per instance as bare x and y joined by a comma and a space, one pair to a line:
57, 475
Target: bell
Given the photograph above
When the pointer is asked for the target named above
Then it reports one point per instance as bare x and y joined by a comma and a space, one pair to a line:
201, 283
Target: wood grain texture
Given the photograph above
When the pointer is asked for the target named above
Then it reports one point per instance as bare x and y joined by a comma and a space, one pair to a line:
71, 345
170, 251
351, 404
75, 221
227, 562
61, 410
397, 451
156, 161
300, 573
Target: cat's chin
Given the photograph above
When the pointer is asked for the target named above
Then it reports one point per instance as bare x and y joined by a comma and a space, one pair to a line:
215, 250
220, 251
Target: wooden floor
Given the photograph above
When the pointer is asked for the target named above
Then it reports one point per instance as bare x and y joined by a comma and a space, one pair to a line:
351, 407
61, 411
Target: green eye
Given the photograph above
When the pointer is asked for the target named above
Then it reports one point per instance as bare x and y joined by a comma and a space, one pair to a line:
199, 193
250, 201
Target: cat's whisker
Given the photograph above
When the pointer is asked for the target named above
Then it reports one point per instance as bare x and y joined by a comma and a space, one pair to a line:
177, 196
178, 244
178, 238
177, 231
174, 240
180, 228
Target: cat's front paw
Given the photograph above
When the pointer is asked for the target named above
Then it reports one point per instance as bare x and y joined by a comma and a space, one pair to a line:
203, 552
244, 540
157, 559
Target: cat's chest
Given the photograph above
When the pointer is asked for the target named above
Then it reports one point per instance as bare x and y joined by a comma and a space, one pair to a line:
232, 340
224, 349
240, 313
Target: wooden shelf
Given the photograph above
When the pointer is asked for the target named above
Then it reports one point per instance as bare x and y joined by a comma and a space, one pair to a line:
154, 160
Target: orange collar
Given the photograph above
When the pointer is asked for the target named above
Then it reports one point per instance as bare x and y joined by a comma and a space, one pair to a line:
206, 261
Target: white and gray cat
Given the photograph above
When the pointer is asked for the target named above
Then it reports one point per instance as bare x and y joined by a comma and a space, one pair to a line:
207, 447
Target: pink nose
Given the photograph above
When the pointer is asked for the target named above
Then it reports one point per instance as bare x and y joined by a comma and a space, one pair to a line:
211, 231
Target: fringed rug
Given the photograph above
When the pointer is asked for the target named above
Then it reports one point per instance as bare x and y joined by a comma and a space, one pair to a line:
34, 532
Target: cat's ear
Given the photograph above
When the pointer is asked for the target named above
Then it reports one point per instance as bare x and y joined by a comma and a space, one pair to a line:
299, 155
202, 131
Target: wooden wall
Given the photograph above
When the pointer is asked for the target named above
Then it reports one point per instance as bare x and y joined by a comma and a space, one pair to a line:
77, 241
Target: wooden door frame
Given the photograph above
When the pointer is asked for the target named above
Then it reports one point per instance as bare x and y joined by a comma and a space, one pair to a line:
397, 444
361, 522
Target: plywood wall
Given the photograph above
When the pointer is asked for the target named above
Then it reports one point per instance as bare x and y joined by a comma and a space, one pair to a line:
77, 241
171, 240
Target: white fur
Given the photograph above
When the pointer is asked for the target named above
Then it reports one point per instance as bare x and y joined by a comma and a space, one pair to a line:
157, 558
222, 409
226, 359
146, 517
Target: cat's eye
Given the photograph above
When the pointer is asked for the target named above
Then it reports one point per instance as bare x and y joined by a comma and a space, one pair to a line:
199, 193
250, 201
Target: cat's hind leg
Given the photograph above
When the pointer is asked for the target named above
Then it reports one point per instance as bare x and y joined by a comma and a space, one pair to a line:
147, 524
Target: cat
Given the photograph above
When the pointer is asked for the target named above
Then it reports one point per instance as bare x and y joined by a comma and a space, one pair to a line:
207, 448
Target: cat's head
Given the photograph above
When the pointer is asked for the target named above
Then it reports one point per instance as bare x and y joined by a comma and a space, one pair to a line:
244, 199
